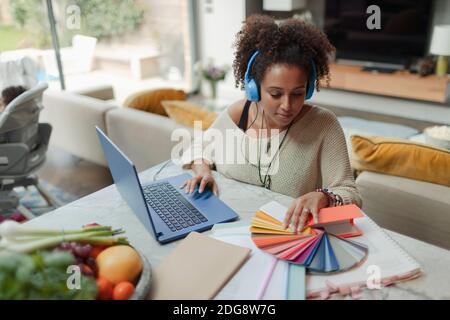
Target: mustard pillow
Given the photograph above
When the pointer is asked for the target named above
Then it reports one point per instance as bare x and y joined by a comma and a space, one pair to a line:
185, 113
401, 158
150, 100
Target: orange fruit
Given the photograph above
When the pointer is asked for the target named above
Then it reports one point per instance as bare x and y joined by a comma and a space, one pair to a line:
119, 263
123, 290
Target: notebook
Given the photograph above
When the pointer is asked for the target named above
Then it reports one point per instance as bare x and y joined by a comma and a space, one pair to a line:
261, 277
385, 254
197, 268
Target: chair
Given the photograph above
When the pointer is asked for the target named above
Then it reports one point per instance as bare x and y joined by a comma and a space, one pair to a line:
23, 146
76, 59
18, 71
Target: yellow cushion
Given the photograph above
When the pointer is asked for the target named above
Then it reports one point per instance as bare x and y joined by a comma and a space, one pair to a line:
150, 100
186, 113
401, 158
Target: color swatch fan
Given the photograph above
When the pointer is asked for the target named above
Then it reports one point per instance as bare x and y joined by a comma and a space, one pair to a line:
316, 248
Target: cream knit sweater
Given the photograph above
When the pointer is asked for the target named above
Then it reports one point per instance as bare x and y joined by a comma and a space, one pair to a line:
313, 155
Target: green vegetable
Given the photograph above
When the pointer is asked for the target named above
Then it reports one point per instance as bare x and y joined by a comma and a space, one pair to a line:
41, 275
24, 238
12, 229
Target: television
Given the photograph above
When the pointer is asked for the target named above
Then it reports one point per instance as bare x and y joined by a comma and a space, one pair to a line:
403, 34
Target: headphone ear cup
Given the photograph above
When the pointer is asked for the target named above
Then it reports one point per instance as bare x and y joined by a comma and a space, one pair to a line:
252, 90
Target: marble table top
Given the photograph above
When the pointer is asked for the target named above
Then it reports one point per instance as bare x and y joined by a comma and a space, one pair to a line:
108, 208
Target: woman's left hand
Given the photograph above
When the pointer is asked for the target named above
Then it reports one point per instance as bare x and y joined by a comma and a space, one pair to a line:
301, 207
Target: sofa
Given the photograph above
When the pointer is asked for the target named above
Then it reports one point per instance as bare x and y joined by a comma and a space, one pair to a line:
414, 208
143, 136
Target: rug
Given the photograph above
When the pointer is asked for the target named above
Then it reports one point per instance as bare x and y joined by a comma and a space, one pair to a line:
33, 201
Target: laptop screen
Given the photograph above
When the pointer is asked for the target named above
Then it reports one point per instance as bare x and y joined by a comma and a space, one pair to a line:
126, 180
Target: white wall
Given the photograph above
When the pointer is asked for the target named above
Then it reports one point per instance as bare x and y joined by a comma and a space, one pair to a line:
5, 16
441, 14
219, 21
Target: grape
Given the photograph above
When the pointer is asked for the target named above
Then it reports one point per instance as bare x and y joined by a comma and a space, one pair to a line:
83, 251
91, 263
65, 246
74, 244
88, 247
79, 260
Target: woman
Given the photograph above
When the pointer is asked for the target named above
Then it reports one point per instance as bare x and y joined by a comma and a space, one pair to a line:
313, 163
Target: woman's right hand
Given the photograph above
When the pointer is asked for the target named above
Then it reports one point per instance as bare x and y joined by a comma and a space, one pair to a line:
204, 179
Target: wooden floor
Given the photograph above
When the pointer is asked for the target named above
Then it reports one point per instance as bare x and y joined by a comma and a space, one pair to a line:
73, 175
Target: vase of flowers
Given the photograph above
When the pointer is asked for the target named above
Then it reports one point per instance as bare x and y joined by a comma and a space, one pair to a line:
213, 75
213, 87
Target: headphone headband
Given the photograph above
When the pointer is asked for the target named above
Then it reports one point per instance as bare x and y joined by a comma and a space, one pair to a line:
249, 65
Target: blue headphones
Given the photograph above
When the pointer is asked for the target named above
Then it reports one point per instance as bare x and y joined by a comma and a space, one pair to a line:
252, 88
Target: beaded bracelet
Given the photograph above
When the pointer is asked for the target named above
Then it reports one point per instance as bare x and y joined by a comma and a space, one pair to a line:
334, 200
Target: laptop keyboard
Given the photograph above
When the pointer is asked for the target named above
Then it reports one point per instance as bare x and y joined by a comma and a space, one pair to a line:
176, 212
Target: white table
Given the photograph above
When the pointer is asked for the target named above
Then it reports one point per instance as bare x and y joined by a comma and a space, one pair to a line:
106, 207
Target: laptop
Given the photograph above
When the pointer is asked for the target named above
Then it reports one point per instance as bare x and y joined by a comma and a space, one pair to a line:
165, 210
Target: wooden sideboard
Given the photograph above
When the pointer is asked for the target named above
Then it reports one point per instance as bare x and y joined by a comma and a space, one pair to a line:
401, 84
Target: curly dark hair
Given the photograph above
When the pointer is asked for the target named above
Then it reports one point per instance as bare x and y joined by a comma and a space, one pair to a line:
292, 42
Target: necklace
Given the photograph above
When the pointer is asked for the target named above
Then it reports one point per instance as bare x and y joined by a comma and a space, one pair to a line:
267, 181
244, 154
